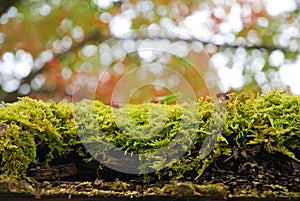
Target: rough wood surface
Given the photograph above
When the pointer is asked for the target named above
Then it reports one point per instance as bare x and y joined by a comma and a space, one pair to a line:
54, 172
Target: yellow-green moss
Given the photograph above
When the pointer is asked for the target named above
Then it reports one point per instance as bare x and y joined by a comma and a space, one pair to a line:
34, 126
41, 131
272, 120
120, 185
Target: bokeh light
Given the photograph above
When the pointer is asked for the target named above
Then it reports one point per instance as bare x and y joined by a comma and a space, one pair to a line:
251, 44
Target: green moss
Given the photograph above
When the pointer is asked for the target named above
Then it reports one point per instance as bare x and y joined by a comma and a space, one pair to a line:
83, 185
271, 120
120, 185
18, 150
37, 131
42, 131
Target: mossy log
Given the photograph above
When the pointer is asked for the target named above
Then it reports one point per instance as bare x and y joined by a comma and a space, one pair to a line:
256, 153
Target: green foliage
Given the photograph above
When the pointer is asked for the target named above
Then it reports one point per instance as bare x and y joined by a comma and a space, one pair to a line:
40, 131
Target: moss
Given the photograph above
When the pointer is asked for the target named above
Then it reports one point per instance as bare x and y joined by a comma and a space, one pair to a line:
37, 132
191, 190
43, 131
120, 185
83, 185
175, 188
18, 150
271, 120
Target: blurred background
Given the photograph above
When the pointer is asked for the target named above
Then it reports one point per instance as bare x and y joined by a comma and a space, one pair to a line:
61, 49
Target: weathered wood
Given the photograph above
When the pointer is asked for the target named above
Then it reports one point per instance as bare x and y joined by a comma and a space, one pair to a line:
54, 172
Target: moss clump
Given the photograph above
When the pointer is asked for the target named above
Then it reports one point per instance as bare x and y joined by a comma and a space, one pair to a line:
120, 185
42, 132
18, 150
271, 120
84, 185
36, 132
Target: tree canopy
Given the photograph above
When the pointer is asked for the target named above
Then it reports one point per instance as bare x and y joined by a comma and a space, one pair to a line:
134, 50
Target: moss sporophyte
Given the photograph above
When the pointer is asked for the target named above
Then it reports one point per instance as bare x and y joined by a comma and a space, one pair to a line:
41, 132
